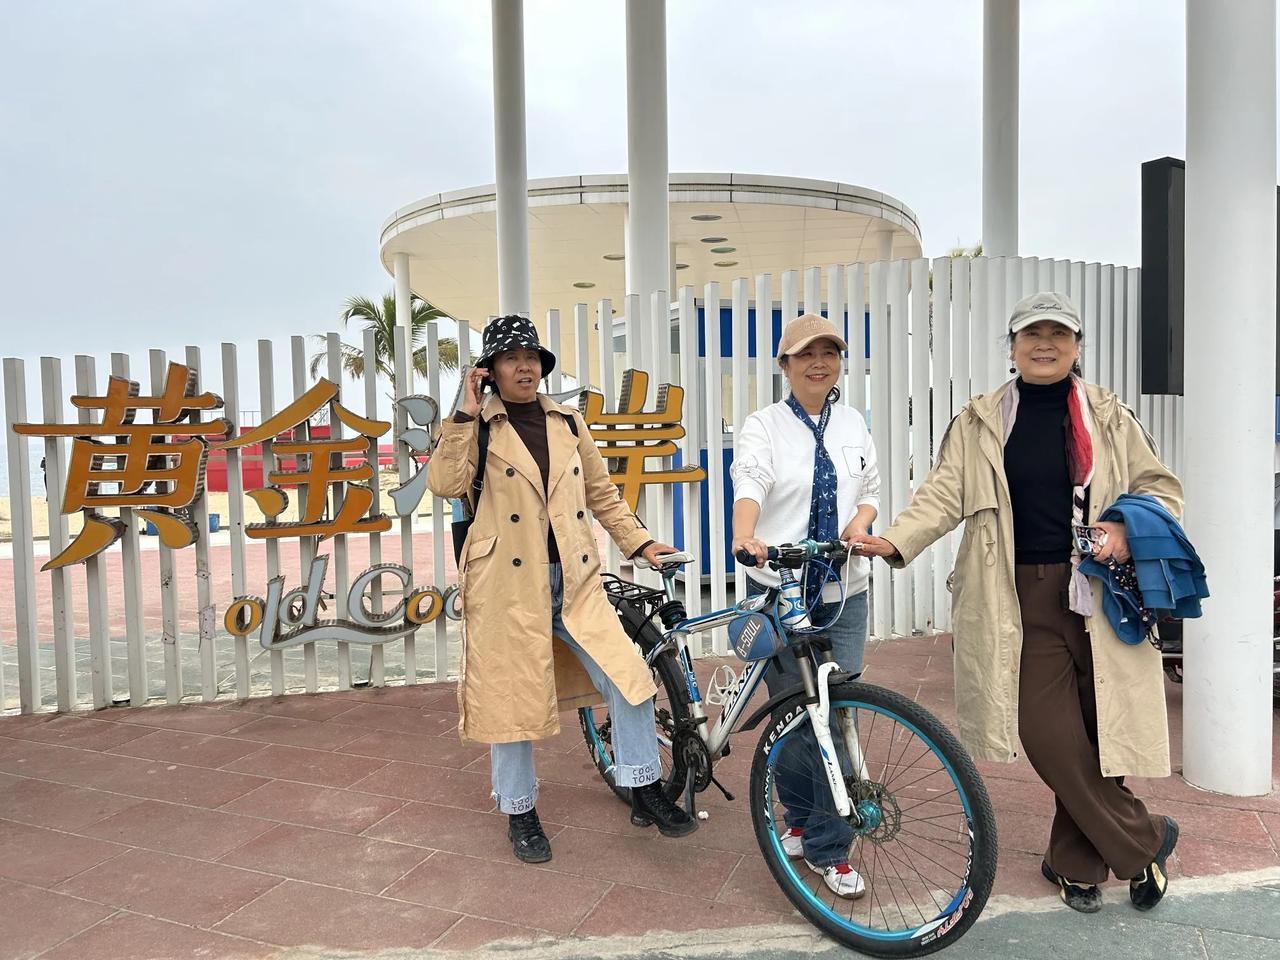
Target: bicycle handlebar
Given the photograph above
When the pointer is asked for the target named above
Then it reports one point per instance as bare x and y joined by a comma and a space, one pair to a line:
797, 554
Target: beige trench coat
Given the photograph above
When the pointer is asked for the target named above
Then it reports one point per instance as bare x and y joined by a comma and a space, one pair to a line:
515, 677
968, 484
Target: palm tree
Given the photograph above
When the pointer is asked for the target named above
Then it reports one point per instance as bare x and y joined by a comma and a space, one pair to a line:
381, 318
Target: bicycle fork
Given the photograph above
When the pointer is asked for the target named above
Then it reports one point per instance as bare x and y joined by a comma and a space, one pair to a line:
820, 721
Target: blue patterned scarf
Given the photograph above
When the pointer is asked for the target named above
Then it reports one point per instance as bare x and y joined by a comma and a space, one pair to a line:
823, 521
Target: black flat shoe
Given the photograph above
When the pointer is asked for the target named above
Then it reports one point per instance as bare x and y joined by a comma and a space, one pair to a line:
527, 837
1147, 889
1083, 897
650, 805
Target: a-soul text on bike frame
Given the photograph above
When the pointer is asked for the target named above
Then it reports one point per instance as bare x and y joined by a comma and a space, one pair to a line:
288, 619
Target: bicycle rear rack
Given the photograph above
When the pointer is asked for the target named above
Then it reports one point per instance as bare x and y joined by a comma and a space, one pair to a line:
646, 600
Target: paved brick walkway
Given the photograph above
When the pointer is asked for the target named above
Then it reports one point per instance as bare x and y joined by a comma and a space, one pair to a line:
357, 821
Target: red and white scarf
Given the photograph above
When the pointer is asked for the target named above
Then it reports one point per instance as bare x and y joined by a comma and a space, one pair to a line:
1080, 432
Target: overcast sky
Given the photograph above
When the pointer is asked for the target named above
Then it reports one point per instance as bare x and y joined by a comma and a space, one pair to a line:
178, 172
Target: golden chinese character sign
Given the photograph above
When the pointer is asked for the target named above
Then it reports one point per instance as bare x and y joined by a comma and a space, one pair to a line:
632, 435
156, 468
320, 470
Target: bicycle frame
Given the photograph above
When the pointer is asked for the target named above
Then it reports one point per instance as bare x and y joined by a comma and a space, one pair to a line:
817, 709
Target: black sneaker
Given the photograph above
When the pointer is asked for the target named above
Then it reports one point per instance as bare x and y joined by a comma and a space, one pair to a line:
527, 837
1084, 897
1147, 889
650, 805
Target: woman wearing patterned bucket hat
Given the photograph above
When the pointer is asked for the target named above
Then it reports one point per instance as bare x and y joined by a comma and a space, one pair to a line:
539, 634
806, 467
1029, 468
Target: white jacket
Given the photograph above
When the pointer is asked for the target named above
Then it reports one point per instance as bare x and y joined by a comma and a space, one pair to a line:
773, 465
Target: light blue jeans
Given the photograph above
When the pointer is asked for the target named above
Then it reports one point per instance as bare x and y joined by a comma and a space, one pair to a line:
802, 783
634, 733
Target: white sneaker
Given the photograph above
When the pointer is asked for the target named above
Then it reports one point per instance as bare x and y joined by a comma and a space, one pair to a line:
792, 844
841, 879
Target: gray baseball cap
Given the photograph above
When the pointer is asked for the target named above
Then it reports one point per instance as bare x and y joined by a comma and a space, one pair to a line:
1045, 306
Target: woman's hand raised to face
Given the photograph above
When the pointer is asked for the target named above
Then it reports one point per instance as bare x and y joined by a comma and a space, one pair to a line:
868, 546
472, 392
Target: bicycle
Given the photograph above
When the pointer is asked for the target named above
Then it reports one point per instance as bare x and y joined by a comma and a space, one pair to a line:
923, 831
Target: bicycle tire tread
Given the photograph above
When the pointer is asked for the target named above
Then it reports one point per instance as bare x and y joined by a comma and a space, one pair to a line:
985, 854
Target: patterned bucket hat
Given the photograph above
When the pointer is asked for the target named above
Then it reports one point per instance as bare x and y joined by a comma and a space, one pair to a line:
513, 333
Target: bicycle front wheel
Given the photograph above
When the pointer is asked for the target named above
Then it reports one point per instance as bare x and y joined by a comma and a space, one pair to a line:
922, 836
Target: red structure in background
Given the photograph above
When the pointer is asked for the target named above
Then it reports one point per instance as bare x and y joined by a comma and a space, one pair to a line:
251, 462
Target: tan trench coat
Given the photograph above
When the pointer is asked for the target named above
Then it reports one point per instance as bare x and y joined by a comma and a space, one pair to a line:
968, 484
515, 677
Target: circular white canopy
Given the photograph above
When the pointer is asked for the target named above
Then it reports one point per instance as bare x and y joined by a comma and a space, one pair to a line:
723, 226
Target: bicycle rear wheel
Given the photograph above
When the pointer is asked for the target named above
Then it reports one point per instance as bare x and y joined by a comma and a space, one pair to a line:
923, 837
671, 710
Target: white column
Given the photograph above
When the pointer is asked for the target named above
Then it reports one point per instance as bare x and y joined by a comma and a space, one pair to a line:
404, 302
648, 229
884, 244
512, 176
1229, 388
1000, 128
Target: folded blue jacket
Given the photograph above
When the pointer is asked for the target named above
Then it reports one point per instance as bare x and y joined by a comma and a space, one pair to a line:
1169, 574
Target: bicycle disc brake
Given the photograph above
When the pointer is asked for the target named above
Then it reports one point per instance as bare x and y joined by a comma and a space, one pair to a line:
877, 809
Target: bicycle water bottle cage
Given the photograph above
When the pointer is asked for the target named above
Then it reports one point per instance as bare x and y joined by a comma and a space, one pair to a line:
754, 636
723, 682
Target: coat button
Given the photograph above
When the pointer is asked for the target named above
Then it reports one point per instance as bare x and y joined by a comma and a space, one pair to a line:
511, 471
581, 514
515, 518
584, 558
515, 562
575, 471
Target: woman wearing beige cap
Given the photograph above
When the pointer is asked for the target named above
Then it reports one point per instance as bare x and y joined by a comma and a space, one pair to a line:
806, 467
1029, 468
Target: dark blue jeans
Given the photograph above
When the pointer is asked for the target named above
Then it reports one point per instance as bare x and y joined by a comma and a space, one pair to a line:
802, 781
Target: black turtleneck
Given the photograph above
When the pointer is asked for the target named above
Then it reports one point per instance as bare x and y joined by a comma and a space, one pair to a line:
1035, 464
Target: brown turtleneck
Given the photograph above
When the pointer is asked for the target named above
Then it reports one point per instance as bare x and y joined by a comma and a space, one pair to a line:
530, 423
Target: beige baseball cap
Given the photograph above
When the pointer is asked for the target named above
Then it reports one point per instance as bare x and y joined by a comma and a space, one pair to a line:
1045, 306
805, 329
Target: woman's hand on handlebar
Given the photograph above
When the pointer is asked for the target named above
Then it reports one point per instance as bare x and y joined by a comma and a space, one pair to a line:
756, 548
868, 546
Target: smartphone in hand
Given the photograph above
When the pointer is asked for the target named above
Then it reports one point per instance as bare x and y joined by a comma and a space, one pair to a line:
1088, 540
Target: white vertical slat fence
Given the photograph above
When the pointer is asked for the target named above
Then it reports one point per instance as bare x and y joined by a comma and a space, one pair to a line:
936, 338
715, 457
95, 572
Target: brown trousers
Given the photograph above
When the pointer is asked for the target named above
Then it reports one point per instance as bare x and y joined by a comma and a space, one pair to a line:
1099, 824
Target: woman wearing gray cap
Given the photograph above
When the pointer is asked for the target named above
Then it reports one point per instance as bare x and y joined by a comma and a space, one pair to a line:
806, 467
1028, 469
